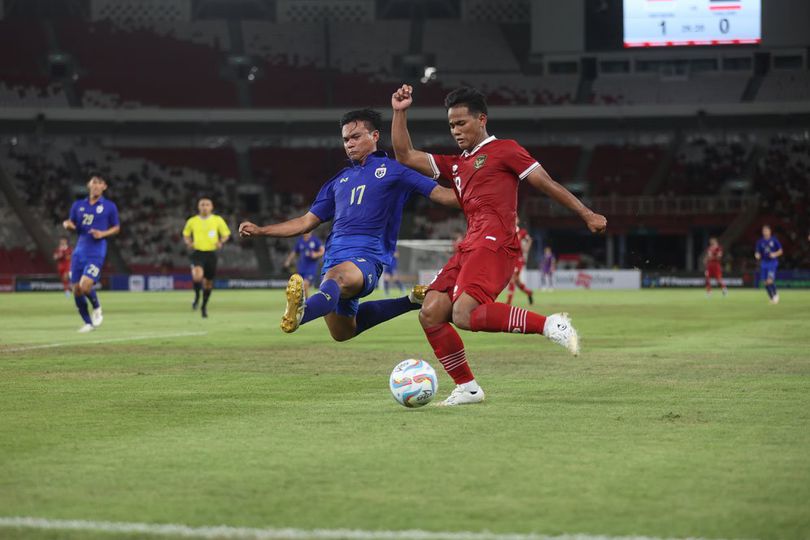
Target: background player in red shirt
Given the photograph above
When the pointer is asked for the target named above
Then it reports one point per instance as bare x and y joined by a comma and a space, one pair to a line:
712, 260
62, 255
525, 246
485, 177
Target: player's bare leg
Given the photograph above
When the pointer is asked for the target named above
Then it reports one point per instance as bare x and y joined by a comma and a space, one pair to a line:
208, 287
435, 317
197, 280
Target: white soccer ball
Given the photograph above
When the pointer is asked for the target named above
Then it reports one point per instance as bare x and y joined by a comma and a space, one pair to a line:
413, 383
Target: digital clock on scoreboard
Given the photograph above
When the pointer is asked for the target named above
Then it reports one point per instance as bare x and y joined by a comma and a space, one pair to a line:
672, 23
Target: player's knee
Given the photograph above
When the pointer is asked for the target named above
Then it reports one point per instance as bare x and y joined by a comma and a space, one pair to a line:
461, 316
432, 314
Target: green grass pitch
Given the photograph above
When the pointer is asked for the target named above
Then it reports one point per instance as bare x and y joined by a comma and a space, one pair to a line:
684, 416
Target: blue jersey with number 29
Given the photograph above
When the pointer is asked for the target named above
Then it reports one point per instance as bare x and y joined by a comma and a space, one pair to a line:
100, 216
366, 201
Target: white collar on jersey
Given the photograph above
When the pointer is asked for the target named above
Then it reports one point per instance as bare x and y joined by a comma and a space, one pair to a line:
477, 148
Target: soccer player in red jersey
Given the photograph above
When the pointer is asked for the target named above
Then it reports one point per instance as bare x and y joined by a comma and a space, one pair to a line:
485, 176
525, 242
712, 259
62, 255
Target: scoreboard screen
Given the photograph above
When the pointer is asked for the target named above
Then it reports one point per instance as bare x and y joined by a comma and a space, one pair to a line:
672, 23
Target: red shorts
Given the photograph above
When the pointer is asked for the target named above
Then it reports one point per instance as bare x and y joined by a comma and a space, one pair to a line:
519, 264
481, 273
714, 271
63, 269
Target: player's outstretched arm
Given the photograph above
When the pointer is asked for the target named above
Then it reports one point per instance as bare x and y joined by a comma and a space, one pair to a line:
285, 229
541, 180
404, 151
444, 196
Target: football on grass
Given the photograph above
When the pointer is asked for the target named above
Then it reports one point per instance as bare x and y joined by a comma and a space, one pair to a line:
413, 383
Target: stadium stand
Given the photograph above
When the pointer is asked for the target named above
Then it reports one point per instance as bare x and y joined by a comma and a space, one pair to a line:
705, 163
779, 85
783, 180
181, 73
633, 89
622, 170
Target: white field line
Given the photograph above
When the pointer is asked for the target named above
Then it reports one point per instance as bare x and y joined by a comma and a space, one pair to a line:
239, 533
101, 341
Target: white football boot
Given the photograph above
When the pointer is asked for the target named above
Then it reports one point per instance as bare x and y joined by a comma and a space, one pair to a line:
295, 304
97, 317
558, 330
462, 396
86, 328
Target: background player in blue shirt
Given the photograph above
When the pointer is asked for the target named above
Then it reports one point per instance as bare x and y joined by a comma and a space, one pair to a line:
365, 202
94, 219
768, 252
309, 249
391, 274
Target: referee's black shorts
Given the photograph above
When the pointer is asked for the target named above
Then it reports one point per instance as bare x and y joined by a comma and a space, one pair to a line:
208, 261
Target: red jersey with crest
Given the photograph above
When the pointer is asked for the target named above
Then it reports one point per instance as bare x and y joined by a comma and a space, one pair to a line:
714, 255
485, 181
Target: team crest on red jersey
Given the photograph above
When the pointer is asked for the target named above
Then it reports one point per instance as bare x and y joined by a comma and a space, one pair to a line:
479, 161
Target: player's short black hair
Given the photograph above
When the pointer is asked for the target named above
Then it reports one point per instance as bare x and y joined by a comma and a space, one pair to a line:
475, 101
370, 117
97, 174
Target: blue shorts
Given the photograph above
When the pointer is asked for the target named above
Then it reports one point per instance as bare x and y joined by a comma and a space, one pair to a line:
86, 265
371, 269
391, 269
767, 270
308, 272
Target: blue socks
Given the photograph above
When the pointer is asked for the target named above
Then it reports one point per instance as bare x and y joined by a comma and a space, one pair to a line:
368, 314
771, 290
93, 298
323, 302
373, 313
81, 303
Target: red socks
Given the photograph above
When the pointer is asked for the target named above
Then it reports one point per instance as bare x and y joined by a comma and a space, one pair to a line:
449, 349
504, 318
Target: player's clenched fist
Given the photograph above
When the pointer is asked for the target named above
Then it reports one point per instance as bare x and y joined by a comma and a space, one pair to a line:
246, 229
596, 223
402, 98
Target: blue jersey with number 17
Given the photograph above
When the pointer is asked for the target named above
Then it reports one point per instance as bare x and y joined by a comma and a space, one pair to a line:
100, 216
366, 201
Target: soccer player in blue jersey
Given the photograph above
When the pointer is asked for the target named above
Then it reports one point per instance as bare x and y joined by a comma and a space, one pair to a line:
365, 202
94, 219
390, 274
767, 253
309, 249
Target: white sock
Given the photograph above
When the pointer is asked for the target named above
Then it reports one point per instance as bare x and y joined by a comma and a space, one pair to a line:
471, 386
